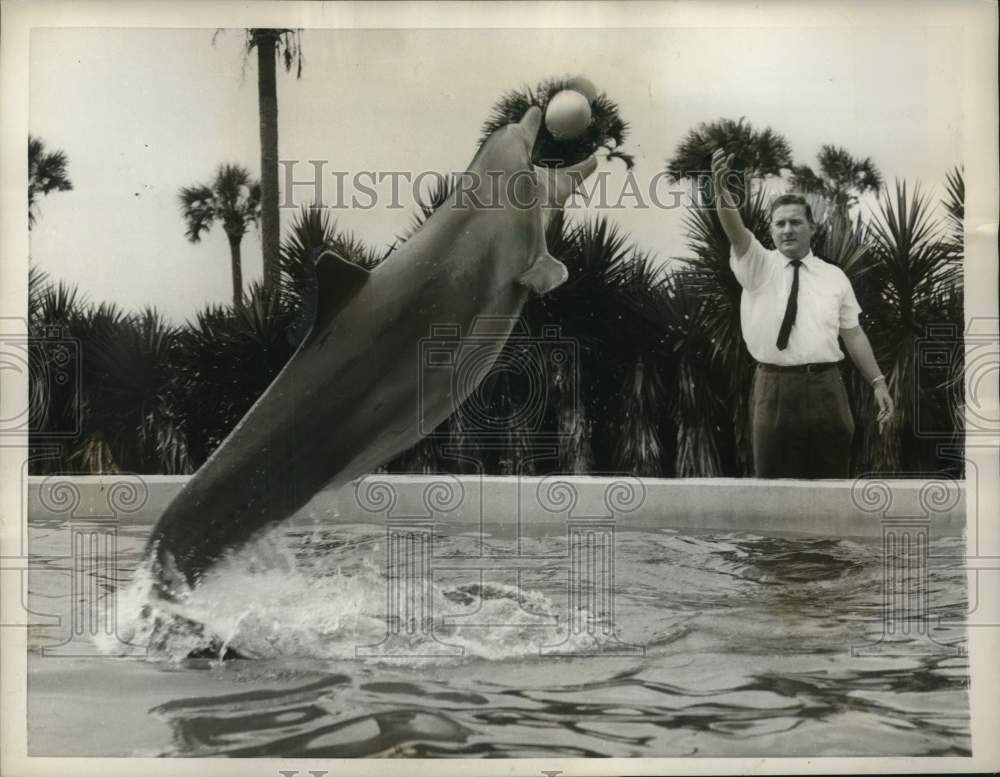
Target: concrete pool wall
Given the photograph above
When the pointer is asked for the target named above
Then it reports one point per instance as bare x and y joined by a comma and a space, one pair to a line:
840, 508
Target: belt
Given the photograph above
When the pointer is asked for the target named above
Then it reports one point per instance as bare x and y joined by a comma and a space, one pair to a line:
818, 367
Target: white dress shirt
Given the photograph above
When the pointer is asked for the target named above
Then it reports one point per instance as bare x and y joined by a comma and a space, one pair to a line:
826, 305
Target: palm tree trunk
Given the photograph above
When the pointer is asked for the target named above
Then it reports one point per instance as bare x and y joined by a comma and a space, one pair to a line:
267, 95
237, 269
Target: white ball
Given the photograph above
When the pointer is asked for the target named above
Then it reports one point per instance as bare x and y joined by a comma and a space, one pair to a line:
568, 115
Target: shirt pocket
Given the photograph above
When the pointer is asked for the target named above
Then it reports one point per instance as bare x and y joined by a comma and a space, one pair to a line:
826, 307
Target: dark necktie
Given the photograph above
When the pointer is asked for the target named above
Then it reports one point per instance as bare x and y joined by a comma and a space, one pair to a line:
793, 305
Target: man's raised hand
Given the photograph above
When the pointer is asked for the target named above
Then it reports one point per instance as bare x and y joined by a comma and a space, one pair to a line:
721, 164
722, 170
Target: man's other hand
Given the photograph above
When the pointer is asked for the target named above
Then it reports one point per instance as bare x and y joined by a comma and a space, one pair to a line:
885, 405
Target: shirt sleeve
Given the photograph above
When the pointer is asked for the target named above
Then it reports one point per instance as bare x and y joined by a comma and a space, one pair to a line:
849, 307
754, 268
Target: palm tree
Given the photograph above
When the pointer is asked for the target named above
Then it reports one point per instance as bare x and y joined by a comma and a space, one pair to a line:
757, 154
594, 309
641, 445
46, 173
841, 179
912, 284
271, 43
233, 199
54, 405
842, 242
129, 416
951, 309
698, 407
115, 413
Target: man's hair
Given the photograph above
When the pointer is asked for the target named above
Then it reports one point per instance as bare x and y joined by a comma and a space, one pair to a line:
792, 199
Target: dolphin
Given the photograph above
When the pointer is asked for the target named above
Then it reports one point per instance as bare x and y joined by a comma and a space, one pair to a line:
353, 395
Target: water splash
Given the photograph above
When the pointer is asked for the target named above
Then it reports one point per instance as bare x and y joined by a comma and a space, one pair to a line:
276, 600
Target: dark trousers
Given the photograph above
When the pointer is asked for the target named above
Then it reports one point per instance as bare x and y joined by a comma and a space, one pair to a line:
802, 424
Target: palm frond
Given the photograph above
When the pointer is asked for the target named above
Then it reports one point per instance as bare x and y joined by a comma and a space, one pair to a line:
841, 179
842, 242
130, 419
38, 281
756, 154
954, 204
198, 210
232, 197
912, 279
58, 325
47, 173
696, 409
287, 42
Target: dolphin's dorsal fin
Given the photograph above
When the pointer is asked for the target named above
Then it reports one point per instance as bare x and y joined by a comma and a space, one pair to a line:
332, 282
545, 274
337, 280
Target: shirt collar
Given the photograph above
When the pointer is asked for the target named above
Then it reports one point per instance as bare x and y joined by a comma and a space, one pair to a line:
809, 260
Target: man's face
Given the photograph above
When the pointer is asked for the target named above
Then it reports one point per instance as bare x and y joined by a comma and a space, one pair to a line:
791, 230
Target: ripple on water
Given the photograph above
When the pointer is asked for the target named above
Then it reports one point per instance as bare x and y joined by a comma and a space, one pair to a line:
915, 703
747, 652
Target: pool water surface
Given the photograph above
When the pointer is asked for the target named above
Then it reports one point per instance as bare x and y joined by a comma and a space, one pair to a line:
639, 643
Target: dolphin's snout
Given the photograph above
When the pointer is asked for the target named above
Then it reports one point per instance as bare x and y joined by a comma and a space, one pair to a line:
531, 122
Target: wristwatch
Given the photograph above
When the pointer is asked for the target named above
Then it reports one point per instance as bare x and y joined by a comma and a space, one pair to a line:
876, 379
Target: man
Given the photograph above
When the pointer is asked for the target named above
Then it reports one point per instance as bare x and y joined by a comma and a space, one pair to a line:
794, 306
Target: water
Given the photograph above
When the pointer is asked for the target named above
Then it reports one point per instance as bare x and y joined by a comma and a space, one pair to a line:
725, 644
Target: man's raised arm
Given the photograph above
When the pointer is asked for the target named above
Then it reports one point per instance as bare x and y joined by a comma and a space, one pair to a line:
729, 214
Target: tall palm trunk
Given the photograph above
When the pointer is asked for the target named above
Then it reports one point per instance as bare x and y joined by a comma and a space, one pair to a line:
267, 94
236, 265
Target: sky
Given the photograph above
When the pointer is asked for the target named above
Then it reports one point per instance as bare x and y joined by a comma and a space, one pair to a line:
142, 112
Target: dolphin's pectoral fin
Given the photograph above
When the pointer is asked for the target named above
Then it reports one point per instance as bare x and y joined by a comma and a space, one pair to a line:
337, 280
546, 274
